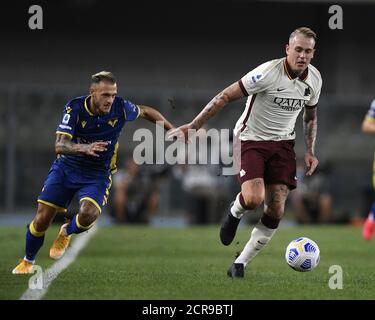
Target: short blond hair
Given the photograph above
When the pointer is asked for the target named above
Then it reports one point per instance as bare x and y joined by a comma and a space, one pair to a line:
103, 76
307, 32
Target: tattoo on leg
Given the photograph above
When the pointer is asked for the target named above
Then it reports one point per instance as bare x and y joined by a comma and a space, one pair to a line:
275, 201
277, 196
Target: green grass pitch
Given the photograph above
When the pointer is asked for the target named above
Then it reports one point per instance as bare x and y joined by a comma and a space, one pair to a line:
123, 262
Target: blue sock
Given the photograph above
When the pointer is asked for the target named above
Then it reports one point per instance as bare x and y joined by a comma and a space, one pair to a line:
34, 241
75, 227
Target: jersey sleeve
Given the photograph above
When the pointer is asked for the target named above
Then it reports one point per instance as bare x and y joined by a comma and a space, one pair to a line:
315, 95
257, 80
68, 122
131, 111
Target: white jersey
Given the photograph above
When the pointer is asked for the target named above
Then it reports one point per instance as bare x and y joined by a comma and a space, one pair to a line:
275, 100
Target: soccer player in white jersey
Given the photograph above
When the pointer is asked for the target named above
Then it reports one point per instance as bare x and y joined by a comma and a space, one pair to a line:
277, 91
368, 126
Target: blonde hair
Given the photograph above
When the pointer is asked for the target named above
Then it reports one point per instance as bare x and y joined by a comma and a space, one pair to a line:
103, 76
307, 32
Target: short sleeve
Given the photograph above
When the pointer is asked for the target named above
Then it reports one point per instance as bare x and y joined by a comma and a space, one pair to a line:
131, 111
256, 80
315, 95
68, 122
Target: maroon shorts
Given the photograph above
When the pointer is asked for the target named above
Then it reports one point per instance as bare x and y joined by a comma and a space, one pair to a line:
274, 161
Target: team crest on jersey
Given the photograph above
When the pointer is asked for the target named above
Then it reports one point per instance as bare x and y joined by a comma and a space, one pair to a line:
112, 122
68, 109
307, 92
83, 124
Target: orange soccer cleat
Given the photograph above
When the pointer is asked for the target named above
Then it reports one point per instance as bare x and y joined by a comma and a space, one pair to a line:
24, 267
60, 244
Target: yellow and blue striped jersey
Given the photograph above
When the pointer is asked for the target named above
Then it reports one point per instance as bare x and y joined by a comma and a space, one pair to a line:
79, 123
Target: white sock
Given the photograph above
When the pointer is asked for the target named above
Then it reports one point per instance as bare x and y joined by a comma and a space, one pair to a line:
237, 210
64, 231
31, 261
260, 236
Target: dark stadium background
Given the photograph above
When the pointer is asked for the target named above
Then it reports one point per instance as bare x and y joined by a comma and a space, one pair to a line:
181, 50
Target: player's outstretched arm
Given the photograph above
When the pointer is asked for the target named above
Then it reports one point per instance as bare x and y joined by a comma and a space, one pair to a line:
310, 126
64, 145
231, 93
153, 115
368, 125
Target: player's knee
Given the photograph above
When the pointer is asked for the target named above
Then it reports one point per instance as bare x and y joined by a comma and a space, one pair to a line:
253, 201
40, 223
87, 216
42, 220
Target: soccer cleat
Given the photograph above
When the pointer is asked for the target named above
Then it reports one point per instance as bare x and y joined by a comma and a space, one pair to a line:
228, 229
368, 229
24, 267
236, 270
60, 244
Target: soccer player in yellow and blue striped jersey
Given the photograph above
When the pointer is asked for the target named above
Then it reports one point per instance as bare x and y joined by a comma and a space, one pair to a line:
86, 147
368, 126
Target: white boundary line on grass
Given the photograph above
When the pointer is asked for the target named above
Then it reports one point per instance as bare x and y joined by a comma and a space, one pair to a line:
51, 273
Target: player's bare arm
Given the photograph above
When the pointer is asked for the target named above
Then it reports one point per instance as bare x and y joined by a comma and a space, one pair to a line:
231, 93
368, 125
64, 145
310, 125
153, 115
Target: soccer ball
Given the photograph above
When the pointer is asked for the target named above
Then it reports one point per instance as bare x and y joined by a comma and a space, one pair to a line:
302, 254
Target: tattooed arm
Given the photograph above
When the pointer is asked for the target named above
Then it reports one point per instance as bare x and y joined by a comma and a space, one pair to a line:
231, 93
310, 125
153, 115
64, 145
